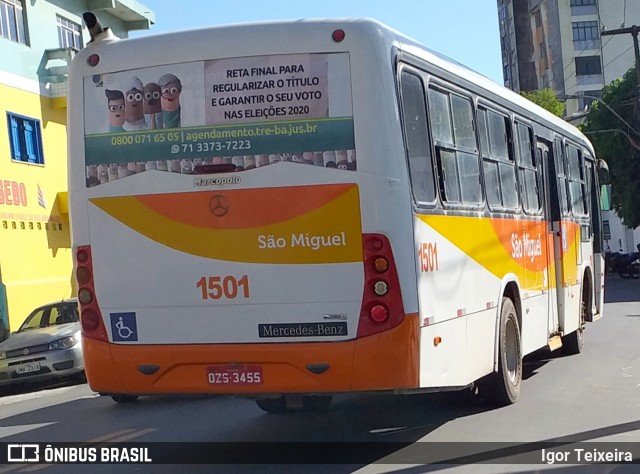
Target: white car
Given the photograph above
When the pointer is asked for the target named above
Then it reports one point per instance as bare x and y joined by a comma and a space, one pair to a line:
48, 346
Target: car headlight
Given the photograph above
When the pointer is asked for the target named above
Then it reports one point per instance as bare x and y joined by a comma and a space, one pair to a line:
63, 343
3, 355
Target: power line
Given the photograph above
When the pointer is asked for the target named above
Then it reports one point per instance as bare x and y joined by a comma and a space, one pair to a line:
573, 59
624, 52
605, 65
633, 31
602, 46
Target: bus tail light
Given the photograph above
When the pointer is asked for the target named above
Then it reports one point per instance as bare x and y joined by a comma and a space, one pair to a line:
382, 307
381, 264
381, 288
379, 313
338, 35
90, 320
90, 317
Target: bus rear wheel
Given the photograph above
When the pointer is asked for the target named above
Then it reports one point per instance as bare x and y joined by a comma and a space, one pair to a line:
272, 405
121, 398
503, 387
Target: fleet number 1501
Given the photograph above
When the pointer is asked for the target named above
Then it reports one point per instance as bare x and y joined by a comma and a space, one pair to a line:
428, 256
229, 287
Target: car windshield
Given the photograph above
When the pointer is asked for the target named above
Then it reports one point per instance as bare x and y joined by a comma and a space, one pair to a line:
51, 315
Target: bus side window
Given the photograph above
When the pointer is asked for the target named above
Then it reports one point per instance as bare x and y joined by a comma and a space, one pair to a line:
414, 116
528, 170
498, 160
576, 180
451, 116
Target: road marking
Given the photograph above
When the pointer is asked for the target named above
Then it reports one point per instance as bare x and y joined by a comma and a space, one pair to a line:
12, 430
108, 437
15, 467
135, 434
14, 405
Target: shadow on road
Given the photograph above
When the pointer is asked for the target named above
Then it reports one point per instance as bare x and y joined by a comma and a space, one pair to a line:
29, 387
621, 290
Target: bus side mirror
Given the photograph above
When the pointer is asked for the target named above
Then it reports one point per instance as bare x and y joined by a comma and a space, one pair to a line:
603, 172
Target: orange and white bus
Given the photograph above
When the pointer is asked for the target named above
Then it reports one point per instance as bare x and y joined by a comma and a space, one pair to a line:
292, 210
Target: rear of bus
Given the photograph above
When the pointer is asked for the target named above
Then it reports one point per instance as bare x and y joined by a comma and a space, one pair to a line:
240, 212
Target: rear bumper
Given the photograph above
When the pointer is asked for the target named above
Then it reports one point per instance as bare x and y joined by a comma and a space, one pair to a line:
388, 360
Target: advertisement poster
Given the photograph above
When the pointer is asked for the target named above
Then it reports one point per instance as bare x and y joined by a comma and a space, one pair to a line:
246, 112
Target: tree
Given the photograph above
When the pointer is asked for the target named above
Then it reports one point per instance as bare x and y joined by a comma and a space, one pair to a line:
545, 98
611, 139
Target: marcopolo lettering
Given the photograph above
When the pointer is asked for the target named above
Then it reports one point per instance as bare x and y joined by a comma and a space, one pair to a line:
217, 181
302, 330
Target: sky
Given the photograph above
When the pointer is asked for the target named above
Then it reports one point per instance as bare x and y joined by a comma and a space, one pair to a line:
464, 30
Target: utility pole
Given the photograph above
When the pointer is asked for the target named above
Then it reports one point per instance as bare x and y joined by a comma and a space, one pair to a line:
633, 31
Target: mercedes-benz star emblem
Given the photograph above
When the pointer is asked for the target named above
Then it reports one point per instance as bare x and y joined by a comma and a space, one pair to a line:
219, 206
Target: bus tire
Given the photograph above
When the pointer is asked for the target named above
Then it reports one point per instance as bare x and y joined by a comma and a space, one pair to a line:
272, 405
121, 398
316, 403
573, 343
504, 385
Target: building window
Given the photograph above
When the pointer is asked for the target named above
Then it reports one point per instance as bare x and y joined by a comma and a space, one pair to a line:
25, 139
585, 30
584, 7
585, 35
588, 65
12, 21
584, 102
69, 34
606, 229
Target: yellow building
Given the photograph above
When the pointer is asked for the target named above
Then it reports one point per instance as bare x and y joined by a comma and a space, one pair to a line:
37, 41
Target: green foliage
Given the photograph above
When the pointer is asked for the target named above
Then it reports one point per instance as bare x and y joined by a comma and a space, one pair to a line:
615, 148
545, 98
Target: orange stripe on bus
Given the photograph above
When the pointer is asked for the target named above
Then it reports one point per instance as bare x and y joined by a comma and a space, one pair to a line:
246, 207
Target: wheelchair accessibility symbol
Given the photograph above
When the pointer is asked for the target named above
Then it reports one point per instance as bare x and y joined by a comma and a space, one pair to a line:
124, 327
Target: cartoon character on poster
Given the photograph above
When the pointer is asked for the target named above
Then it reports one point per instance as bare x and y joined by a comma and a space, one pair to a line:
113, 171
341, 159
92, 176
133, 107
115, 104
152, 107
123, 170
170, 87
103, 173
186, 166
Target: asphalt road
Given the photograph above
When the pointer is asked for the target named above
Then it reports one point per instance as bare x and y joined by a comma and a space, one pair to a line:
591, 397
